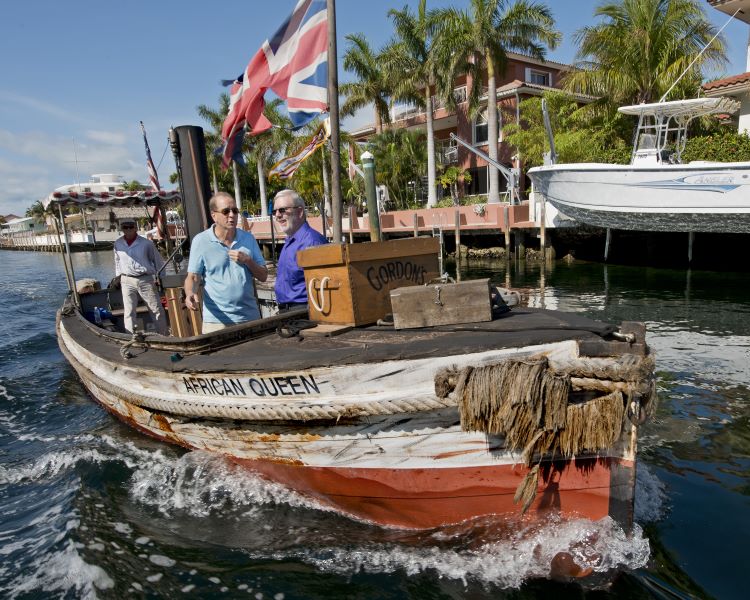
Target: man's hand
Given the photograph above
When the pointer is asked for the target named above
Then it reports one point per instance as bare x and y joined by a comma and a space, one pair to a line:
238, 257
192, 298
192, 301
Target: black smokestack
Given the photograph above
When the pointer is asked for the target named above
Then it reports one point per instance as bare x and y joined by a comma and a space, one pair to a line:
189, 148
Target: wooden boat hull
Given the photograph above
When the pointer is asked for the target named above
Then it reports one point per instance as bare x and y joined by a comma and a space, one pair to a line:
409, 469
448, 487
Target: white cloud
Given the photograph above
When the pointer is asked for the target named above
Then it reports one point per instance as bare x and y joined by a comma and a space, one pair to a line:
33, 104
33, 164
107, 137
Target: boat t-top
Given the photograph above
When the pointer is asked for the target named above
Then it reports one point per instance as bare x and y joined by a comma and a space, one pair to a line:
656, 191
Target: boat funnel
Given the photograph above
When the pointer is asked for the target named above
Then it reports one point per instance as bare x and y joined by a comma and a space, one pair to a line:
189, 148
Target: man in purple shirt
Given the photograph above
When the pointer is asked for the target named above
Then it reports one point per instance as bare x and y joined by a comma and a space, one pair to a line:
289, 212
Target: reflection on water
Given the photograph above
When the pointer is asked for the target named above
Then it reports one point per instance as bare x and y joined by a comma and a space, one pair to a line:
93, 509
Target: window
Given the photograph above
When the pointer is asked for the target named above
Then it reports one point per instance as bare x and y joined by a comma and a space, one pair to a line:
538, 77
111, 188
478, 183
87, 189
481, 129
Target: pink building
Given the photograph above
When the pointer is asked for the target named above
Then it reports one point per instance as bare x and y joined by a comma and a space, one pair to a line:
524, 77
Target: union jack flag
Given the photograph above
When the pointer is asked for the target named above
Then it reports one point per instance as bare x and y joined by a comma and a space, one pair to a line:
293, 63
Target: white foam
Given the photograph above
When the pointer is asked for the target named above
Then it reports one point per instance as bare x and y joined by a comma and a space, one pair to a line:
650, 495
162, 561
122, 528
64, 572
601, 546
202, 483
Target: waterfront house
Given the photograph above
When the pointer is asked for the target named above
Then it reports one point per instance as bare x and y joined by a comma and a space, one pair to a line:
737, 86
524, 77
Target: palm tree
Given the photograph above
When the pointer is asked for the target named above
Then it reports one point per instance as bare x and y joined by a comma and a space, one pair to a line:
266, 147
372, 85
133, 186
415, 61
39, 213
215, 118
641, 48
481, 38
261, 149
401, 158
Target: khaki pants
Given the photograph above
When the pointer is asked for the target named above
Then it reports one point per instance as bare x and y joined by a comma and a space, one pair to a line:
132, 287
211, 327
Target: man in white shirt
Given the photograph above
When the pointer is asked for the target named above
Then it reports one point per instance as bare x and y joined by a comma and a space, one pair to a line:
137, 261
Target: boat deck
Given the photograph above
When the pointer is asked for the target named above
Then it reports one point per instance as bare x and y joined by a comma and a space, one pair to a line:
266, 351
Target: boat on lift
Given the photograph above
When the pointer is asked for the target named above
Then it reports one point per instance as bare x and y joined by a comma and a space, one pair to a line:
656, 191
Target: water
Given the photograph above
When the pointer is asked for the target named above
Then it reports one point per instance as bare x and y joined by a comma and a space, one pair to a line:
92, 509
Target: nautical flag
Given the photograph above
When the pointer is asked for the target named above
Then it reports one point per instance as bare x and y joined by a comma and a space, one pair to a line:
157, 217
153, 177
286, 167
293, 63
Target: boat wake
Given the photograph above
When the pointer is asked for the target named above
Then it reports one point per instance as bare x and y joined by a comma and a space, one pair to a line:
166, 494
279, 524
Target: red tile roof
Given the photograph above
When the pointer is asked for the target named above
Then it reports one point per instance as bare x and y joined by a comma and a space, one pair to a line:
727, 82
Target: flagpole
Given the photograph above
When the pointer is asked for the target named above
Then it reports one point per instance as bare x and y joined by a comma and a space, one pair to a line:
333, 102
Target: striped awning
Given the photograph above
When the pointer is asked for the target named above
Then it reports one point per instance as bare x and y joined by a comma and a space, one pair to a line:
110, 199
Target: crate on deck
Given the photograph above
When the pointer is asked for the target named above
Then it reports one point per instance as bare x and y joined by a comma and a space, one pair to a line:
350, 284
184, 322
442, 304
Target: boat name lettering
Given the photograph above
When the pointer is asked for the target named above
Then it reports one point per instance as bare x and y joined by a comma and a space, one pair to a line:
711, 179
280, 385
393, 270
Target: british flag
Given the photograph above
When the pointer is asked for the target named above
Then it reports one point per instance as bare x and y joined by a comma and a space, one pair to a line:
293, 63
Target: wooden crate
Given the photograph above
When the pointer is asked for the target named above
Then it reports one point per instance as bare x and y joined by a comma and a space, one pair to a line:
356, 279
182, 321
442, 304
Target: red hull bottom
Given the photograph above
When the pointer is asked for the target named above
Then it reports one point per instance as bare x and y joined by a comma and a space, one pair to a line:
591, 488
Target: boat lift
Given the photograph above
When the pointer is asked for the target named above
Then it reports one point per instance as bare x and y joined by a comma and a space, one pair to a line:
511, 175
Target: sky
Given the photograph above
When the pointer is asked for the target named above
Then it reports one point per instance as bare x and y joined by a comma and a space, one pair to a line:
77, 76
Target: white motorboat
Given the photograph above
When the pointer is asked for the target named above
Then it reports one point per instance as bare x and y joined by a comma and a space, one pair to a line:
656, 191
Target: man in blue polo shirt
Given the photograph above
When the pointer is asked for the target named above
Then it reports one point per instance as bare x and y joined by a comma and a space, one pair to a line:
289, 212
226, 259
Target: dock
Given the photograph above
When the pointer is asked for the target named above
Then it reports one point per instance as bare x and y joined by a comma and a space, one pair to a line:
502, 220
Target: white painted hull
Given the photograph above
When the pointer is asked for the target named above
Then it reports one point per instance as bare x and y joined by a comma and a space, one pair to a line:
698, 197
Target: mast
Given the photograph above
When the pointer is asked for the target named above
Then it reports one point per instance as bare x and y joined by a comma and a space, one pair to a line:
333, 102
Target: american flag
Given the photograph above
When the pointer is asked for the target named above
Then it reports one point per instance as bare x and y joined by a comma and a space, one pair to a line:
293, 63
153, 178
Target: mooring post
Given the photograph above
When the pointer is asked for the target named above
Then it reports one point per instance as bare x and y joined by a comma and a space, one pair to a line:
543, 229
352, 218
606, 244
458, 233
691, 239
368, 164
506, 227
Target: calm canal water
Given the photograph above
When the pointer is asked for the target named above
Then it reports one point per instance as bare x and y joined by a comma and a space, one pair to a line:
89, 508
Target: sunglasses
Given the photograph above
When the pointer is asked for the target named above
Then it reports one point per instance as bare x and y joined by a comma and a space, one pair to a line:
127, 226
225, 211
284, 209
